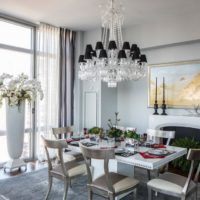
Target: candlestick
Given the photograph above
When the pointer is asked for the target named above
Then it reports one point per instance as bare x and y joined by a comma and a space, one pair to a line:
156, 90
163, 88
156, 102
163, 103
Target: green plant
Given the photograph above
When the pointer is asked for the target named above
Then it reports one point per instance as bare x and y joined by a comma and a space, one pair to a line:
115, 133
131, 134
188, 143
110, 124
95, 130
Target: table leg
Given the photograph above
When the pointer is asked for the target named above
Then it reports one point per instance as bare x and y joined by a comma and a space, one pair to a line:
149, 174
127, 170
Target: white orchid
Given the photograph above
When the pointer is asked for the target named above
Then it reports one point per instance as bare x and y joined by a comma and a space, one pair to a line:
17, 89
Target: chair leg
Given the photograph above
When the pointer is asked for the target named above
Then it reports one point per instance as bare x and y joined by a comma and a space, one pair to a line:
149, 194
111, 197
196, 194
65, 189
89, 194
70, 183
148, 174
135, 193
49, 187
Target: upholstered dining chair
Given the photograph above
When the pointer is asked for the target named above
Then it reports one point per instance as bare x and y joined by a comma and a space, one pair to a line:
157, 135
177, 185
160, 134
63, 171
110, 184
60, 133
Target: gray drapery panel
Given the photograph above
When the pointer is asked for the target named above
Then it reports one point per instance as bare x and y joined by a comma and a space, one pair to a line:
66, 104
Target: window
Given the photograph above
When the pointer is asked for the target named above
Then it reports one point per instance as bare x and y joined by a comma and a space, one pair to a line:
16, 56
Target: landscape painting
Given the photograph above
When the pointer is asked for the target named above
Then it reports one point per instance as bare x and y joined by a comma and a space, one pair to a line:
182, 84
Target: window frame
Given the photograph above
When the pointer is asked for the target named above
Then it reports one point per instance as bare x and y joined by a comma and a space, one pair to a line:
32, 51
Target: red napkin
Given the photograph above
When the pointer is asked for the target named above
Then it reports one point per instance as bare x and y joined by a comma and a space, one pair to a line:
71, 140
158, 146
147, 155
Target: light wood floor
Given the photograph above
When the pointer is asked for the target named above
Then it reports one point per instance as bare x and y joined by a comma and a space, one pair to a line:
31, 166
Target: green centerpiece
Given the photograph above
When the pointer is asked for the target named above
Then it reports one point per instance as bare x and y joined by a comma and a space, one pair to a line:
131, 134
96, 131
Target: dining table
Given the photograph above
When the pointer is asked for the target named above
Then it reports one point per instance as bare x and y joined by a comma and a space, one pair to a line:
127, 157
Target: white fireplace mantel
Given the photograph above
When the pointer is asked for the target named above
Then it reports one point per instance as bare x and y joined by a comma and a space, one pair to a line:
159, 121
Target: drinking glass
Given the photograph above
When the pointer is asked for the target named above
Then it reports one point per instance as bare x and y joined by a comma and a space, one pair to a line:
111, 142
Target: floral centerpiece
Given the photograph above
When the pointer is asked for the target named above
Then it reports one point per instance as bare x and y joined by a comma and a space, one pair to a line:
132, 137
18, 89
96, 131
115, 132
131, 134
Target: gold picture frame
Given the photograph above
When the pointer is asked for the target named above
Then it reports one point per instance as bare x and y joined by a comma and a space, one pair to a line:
182, 83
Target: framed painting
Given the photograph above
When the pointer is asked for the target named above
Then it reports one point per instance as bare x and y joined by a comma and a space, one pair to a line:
181, 82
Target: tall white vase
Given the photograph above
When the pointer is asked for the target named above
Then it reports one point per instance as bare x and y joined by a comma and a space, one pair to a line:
15, 134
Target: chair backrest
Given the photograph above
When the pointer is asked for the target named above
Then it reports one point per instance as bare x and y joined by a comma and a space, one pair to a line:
193, 155
100, 154
59, 145
161, 134
61, 132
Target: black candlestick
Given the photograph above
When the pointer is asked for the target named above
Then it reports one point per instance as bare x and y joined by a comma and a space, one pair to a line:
156, 102
155, 109
164, 107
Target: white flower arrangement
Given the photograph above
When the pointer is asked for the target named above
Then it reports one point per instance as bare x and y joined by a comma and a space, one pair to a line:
17, 89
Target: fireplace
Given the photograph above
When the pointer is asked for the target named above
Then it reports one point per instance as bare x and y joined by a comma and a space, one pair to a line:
182, 132
184, 126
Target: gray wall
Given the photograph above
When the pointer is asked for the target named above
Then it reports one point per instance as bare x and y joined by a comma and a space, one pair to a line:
108, 104
165, 42
168, 42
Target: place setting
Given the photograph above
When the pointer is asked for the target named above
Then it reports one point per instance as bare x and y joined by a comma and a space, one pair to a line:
160, 152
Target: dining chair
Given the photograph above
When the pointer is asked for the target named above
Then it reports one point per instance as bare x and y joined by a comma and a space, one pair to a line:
61, 133
109, 184
63, 171
177, 185
157, 135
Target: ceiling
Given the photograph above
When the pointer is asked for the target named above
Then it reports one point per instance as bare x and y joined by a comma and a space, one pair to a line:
85, 14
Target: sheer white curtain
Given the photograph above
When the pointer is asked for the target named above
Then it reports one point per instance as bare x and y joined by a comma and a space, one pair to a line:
48, 73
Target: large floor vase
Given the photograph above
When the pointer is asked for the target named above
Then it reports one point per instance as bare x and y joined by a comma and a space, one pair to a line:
15, 135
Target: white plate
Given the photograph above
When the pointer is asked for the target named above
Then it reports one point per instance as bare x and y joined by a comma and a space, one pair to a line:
119, 150
158, 152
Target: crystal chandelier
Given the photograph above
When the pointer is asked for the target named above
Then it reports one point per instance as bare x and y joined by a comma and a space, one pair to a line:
116, 61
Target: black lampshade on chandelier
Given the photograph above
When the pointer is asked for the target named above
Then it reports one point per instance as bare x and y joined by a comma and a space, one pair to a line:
114, 62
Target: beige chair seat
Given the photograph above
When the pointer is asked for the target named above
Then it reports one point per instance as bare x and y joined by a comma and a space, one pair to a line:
59, 169
69, 155
72, 155
73, 168
110, 184
170, 182
177, 185
119, 182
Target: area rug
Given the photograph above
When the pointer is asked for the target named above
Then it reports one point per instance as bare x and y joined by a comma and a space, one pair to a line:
33, 186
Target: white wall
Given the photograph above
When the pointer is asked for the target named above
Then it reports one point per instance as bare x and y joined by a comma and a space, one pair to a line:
165, 42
